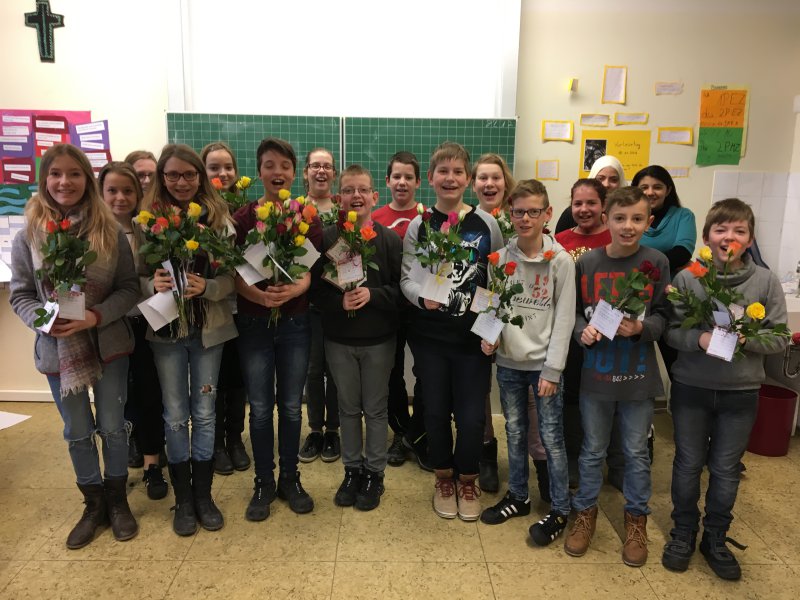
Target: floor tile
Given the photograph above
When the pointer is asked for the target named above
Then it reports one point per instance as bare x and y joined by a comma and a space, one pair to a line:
36, 462
774, 518
403, 580
776, 582
37, 515
8, 570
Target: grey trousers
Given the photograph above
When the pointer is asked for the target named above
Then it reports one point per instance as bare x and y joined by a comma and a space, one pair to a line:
361, 374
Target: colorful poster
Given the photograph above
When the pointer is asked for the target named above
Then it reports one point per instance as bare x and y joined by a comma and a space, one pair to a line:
723, 125
630, 146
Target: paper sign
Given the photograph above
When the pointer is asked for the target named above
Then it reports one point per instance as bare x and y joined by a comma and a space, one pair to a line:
595, 120
723, 344
350, 271
339, 251
630, 146
676, 135
72, 305
310, 257
436, 288
722, 107
251, 275
160, 309
606, 319
484, 299
719, 146
678, 172
721, 318
622, 118
255, 255
335, 282
736, 310
614, 85
487, 327
50, 305
547, 170
18, 170
671, 88
557, 131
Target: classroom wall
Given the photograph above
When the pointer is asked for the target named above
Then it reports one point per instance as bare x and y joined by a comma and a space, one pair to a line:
715, 41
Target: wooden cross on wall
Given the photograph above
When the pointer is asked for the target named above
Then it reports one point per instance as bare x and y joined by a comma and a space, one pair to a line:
44, 21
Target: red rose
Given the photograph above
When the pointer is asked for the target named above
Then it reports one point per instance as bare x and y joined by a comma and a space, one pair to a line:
52, 227
65, 225
655, 274
280, 228
215, 264
163, 222
493, 258
510, 268
426, 216
646, 267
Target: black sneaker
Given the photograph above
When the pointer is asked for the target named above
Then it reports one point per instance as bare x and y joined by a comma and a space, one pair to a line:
135, 457
222, 462
312, 447
238, 454
347, 492
331, 446
396, 455
263, 495
419, 448
155, 483
548, 529
507, 508
291, 490
371, 490
719, 557
678, 551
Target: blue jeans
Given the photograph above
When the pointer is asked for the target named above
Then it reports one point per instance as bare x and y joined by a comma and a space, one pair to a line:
514, 385
270, 355
188, 375
597, 417
711, 427
80, 426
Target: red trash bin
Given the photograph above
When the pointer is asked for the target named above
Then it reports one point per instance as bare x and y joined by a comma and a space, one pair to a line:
775, 421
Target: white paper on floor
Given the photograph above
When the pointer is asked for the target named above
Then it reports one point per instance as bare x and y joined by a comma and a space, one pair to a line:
8, 419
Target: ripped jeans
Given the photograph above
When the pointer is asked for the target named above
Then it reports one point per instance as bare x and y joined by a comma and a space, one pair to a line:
80, 425
188, 375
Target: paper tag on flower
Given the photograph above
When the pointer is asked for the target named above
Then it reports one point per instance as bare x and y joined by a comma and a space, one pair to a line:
310, 257
606, 319
721, 318
723, 344
339, 252
160, 309
255, 255
436, 288
167, 264
736, 310
487, 327
49, 306
350, 270
250, 274
72, 305
331, 278
484, 299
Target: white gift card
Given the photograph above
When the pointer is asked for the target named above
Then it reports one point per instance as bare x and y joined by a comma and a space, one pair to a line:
736, 310
484, 299
723, 344
251, 275
350, 271
436, 288
167, 264
310, 257
255, 255
339, 252
72, 305
331, 278
160, 309
49, 305
606, 319
487, 327
721, 318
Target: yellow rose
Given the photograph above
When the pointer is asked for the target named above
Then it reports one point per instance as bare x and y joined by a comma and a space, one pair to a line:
301, 199
192, 245
194, 210
705, 254
143, 218
352, 216
284, 194
263, 211
243, 183
302, 227
299, 240
756, 311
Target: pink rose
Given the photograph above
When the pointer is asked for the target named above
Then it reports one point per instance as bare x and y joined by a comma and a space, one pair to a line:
445, 228
260, 226
156, 229
452, 218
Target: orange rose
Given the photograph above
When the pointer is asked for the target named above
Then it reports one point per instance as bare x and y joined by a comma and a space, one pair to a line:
734, 248
548, 255
368, 233
348, 226
163, 222
52, 227
217, 183
493, 258
65, 224
696, 269
309, 212
176, 220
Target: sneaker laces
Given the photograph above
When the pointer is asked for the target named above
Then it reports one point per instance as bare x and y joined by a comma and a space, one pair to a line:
468, 490
446, 487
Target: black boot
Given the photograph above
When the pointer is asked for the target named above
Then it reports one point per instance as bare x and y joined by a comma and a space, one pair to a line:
543, 478
291, 490
207, 512
222, 460
94, 516
184, 522
123, 524
488, 479
237, 452
135, 456
263, 495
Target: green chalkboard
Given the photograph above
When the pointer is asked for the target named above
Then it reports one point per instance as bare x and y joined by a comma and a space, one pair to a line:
244, 132
366, 141
371, 142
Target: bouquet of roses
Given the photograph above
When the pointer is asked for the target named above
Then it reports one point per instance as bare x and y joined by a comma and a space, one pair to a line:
499, 286
506, 228
171, 241
236, 199
281, 227
64, 260
224, 254
629, 289
441, 248
350, 255
720, 308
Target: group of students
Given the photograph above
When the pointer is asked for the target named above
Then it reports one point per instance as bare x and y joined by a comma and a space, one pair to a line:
569, 395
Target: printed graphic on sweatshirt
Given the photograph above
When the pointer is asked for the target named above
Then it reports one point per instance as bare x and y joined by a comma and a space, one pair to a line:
536, 298
468, 274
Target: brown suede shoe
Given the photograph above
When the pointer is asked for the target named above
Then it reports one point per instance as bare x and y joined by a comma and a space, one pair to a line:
634, 552
444, 495
469, 507
578, 538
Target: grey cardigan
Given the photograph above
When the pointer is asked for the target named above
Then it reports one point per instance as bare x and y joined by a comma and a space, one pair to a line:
112, 337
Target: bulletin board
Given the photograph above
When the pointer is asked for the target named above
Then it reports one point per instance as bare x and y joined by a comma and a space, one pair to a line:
630, 146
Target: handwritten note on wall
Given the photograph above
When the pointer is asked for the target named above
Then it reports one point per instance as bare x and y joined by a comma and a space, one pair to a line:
723, 123
630, 146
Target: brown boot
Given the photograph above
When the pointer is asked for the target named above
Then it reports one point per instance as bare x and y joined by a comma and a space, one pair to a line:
578, 538
94, 515
444, 496
634, 552
469, 507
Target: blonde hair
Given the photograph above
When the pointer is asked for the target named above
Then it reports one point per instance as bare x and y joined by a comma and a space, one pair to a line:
126, 170
98, 225
490, 158
449, 151
218, 217
213, 147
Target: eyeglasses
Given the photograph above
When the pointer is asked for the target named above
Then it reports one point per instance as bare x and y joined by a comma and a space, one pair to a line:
320, 167
174, 176
533, 213
348, 191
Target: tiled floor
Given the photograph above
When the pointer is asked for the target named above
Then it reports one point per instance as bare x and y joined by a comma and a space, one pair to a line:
401, 550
